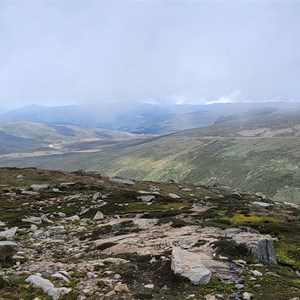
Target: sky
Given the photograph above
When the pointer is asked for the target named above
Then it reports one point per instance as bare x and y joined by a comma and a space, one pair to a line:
71, 52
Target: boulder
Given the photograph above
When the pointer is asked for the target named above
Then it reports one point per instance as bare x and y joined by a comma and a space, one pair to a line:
7, 250
260, 246
47, 286
190, 265
8, 233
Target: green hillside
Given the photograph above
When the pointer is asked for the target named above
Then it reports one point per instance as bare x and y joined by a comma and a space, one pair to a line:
260, 154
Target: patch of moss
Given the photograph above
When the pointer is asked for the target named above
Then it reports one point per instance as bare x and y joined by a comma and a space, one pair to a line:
288, 253
216, 286
240, 219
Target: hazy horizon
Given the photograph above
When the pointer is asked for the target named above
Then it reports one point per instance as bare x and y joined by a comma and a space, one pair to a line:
62, 53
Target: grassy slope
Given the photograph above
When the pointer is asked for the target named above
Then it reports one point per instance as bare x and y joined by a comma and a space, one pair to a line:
266, 160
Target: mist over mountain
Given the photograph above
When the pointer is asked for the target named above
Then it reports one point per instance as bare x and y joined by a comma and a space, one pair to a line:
142, 118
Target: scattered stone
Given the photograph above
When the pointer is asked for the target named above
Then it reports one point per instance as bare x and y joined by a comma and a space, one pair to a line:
7, 250
74, 218
37, 220
96, 196
122, 180
60, 276
98, 216
61, 214
38, 187
247, 296
146, 198
260, 204
9, 233
239, 286
56, 228
149, 286
19, 176
186, 190
2, 224
29, 193
47, 286
174, 196
121, 288
256, 273
261, 195
190, 265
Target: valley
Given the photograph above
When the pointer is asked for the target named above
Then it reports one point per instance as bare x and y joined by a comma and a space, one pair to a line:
259, 153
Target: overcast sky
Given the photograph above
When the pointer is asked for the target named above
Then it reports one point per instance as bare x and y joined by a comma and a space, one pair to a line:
62, 52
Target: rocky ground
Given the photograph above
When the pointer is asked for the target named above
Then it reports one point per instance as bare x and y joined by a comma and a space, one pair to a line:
83, 236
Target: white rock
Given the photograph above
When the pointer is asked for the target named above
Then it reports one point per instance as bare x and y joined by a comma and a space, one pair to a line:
256, 273
96, 196
47, 286
247, 296
30, 193
73, 218
190, 265
56, 228
262, 204
122, 180
98, 216
121, 287
60, 276
149, 286
2, 224
37, 220
174, 196
146, 198
38, 187
9, 232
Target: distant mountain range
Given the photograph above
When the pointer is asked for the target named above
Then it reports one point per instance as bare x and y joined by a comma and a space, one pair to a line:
254, 147
142, 118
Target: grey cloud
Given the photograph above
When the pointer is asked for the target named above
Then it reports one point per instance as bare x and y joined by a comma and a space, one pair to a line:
76, 52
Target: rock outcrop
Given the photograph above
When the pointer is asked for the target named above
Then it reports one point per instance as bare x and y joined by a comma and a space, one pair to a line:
190, 265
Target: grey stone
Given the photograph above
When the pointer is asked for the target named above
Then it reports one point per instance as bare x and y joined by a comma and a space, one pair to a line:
174, 196
47, 286
260, 246
38, 187
9, 232
190, 265
247, 296
98, 216
122, 180
260, 204
146, 198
